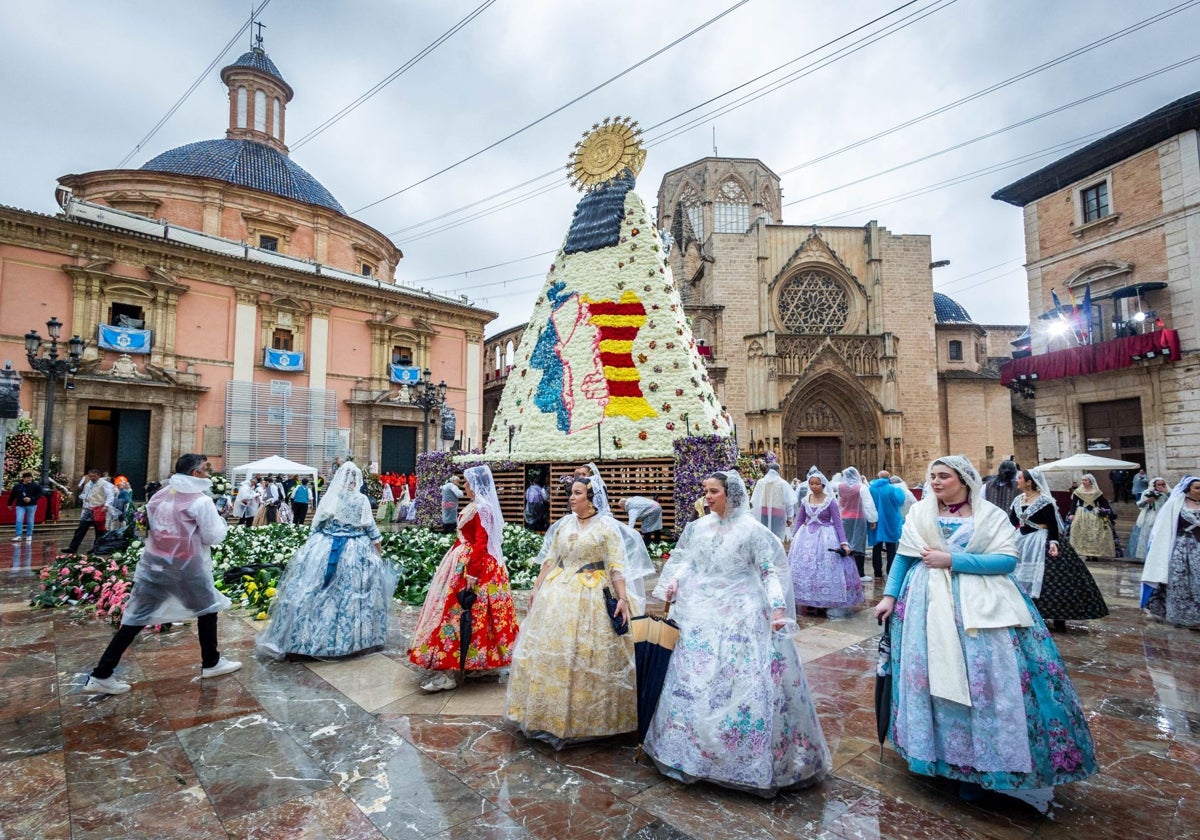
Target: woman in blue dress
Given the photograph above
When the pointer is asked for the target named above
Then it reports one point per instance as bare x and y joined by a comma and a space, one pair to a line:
335, 598
979, 693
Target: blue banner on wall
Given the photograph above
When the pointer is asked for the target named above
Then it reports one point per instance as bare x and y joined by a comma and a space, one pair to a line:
405, 374
282, 360
124, 339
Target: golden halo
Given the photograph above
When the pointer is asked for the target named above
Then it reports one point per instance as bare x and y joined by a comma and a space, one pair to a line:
608, 149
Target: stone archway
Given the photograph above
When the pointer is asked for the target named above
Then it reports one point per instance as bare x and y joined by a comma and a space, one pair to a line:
831, 406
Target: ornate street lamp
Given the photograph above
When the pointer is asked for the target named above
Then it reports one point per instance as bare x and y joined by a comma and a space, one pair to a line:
428, 396
55, 370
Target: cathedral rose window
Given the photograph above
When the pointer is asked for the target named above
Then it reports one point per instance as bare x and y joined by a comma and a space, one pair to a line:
813, 302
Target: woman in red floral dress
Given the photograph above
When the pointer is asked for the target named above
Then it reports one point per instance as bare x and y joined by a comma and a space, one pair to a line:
475, 562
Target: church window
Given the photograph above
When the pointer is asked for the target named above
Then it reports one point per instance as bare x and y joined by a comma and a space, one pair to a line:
402, 356
690, 201
368, 270
282, 340
275, 112
260, 111
955, 351
732, 211
241, 107
508, 356
126, 315
813, 302
268, 243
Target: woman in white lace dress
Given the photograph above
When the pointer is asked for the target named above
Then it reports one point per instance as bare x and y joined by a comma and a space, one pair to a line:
735, 708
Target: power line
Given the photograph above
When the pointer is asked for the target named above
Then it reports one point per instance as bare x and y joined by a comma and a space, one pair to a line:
457, 210
533, 194
1032, 71
395, 74
484, 268
795, 76
976, 273
557, 110
1145, 77
199, 79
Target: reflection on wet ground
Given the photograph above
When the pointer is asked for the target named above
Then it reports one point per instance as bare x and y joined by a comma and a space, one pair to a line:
355, 750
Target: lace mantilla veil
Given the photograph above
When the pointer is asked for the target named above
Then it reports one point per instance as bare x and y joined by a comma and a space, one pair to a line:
487, 505
343, 501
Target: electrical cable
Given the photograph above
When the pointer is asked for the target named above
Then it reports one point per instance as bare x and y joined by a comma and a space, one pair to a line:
395, 74
557, 110
187, 93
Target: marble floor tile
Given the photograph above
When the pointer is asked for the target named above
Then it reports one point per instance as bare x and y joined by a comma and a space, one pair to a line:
476, 697
184, 813
30, 717
191, 701
249, 763
372, 681
33, 798
324, 815
458, 742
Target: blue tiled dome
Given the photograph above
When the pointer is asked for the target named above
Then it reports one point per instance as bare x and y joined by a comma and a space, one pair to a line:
949, 311
258, 60
247, 164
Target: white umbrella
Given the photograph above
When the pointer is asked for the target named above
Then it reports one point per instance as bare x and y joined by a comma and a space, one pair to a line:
1084, 462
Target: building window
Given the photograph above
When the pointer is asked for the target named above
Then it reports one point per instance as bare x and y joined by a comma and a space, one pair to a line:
268, 243
368, 270
275, 114
126, 315
1095, 202
282, 340
260, 111
732, 211
402, 356
241, 107
956, 351
692, 206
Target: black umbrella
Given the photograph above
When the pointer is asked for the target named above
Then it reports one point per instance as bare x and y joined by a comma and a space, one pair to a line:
883, 685
654, 641
466, 598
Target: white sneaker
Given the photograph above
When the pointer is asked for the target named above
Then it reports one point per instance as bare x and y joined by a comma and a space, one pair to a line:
17, 539
866, 578
224, 666
442, 681
108, 685
29, 539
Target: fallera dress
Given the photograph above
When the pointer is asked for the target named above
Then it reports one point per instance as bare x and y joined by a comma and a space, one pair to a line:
436, 641
1024, 728
821, 576
735, 708
1061, 587
572, 676
1149, 504
1091, 532
335, 599
1178, 601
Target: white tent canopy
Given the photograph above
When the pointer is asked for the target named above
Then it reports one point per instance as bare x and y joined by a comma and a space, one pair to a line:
1084, 462
275, 465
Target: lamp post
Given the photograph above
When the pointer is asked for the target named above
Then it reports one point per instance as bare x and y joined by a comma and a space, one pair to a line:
55, 370
428, 396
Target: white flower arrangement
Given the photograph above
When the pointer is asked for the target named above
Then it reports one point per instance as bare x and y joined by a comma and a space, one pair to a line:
625, 359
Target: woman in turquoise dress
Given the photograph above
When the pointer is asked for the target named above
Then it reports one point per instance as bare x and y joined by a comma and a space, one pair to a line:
979, 693
335, 599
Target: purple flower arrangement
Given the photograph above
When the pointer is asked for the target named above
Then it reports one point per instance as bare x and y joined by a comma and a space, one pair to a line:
695, 458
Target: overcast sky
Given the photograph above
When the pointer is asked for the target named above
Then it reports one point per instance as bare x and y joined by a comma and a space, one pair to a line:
86, 81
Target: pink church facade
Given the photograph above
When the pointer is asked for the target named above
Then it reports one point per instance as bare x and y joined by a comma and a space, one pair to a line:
231, 306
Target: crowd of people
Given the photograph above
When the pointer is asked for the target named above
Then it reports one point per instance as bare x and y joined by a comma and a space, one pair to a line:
978, 690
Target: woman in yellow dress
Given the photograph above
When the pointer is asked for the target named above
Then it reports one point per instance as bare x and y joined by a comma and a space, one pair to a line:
572, 676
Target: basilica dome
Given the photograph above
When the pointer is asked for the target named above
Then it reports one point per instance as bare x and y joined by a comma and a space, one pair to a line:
246, 163
949, 311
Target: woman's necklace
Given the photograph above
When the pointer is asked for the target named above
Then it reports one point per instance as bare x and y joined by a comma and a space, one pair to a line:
954, 508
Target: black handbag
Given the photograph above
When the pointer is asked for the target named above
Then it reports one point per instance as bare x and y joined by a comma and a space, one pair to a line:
620, 625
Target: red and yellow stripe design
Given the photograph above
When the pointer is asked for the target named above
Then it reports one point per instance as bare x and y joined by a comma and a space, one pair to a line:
617, 323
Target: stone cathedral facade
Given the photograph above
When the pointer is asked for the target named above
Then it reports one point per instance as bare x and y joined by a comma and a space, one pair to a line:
825, 343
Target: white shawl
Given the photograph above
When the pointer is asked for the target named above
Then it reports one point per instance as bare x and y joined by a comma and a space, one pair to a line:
1162, 538
986, 601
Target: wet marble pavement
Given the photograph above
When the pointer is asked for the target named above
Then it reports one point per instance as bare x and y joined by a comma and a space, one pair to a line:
355, 750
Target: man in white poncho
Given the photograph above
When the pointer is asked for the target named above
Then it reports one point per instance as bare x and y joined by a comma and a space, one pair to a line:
174, 578
774, 502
